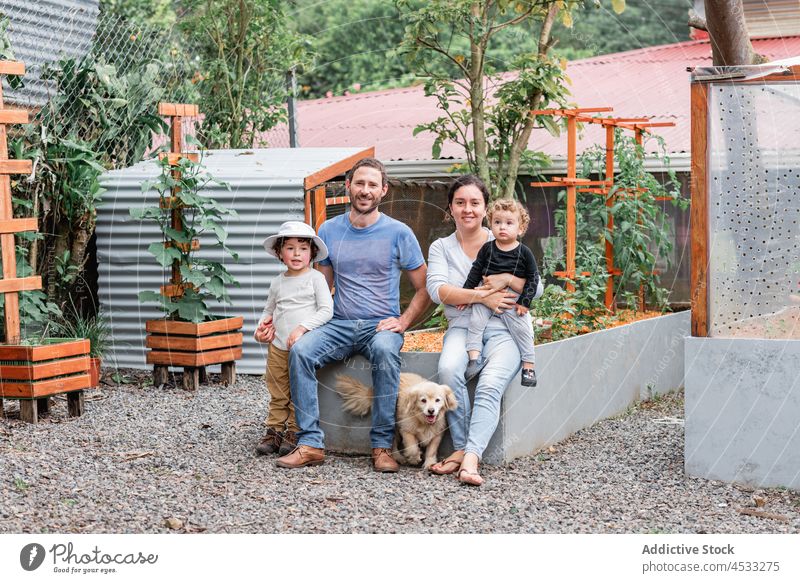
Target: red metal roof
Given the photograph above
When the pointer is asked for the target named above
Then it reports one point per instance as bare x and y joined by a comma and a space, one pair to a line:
649, 82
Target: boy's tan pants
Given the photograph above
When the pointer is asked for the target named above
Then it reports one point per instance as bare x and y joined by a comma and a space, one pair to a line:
281, 409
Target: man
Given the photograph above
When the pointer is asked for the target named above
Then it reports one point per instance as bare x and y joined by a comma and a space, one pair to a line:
367, 252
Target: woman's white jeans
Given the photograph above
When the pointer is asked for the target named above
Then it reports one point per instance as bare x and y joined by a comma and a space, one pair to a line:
471, 428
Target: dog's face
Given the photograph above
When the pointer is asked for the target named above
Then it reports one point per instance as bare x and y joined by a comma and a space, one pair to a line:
429, 401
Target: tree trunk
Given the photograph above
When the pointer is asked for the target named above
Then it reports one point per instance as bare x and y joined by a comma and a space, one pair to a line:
476, 105
730, 42
521, 143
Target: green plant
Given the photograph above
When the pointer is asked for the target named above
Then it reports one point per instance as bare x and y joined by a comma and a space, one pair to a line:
437, 319
245, 49
97, 119
95, 329
642, 236
35, 311
485, 113
201, 280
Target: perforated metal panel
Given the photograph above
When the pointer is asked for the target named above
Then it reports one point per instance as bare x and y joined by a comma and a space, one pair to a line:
754, 210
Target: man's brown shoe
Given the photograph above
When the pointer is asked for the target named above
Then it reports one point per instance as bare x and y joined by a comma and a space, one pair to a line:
383, 461
301, 456
270, 443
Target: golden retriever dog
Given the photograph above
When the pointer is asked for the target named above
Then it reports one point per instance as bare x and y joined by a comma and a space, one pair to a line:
420, 422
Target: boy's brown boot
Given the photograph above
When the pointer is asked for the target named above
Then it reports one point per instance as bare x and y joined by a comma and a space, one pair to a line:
288, 443
270, 443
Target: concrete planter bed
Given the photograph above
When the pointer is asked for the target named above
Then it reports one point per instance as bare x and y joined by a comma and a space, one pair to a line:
581, 381
743, 411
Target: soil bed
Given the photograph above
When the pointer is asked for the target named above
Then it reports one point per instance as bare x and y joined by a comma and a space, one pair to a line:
431, 340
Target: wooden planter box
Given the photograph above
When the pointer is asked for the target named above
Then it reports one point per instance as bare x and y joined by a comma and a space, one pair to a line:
193, 347
35, 373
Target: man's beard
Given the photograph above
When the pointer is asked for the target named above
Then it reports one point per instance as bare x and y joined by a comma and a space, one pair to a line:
371, 209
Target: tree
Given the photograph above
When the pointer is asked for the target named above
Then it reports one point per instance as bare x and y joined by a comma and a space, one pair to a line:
354, 45
730, 41
148, 12
245, 49
598, 29
447, 42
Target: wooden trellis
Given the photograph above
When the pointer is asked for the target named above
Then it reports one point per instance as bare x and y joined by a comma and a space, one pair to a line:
605, 187
30, 373
184, 344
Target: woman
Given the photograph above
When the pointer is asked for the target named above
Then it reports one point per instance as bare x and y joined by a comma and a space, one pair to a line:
449, 261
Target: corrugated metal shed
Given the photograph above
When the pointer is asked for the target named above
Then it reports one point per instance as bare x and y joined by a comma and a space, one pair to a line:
650, 82
42, 32
266, 188
772, 17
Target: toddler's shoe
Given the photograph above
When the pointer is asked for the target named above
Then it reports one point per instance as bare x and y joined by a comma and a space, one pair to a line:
288, 443
474, 367
528, 377
270, 443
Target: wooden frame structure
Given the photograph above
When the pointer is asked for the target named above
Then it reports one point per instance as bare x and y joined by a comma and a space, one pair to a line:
316, 199
699, 216
30, 373
575, 185
183, 344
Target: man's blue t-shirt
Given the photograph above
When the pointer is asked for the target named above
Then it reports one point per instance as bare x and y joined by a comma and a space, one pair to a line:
367, 264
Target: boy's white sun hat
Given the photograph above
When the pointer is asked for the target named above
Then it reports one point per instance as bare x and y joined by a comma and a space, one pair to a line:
300, 230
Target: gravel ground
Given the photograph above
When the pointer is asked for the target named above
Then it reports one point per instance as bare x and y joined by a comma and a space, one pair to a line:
158, 460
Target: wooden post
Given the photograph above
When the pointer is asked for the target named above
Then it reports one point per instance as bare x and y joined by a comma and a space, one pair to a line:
191, 378
320, 208
12, 329
610, 200
228, 373
28, 410
699, 210
176, 146
75, 403
572, 139
160, 375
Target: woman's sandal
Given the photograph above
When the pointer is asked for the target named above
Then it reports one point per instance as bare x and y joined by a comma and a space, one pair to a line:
441, 465
470, 478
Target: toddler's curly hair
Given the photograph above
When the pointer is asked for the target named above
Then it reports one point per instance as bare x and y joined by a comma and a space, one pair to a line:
511, 205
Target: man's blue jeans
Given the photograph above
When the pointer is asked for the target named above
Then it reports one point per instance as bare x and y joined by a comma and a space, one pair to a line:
337, 340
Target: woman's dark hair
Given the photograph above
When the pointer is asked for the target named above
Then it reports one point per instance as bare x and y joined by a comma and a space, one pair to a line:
278, 245
467, 180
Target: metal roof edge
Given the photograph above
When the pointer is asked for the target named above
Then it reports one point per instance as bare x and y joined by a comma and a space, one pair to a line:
401, 169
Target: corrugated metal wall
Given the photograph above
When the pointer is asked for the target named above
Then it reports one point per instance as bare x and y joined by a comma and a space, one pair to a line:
266, 189
772, 18
41, 32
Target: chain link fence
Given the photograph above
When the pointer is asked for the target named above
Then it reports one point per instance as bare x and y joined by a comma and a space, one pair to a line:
144, 64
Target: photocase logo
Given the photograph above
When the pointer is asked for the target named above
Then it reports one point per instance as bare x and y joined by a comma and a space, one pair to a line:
31, 556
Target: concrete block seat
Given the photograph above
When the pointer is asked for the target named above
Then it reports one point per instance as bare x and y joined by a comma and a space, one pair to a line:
581, 381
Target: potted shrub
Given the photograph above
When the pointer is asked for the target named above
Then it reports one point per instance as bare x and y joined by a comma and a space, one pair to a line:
189, 336
36, 367
96, 330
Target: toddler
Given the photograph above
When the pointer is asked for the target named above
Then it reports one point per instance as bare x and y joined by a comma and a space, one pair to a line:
508, 220
299, 300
